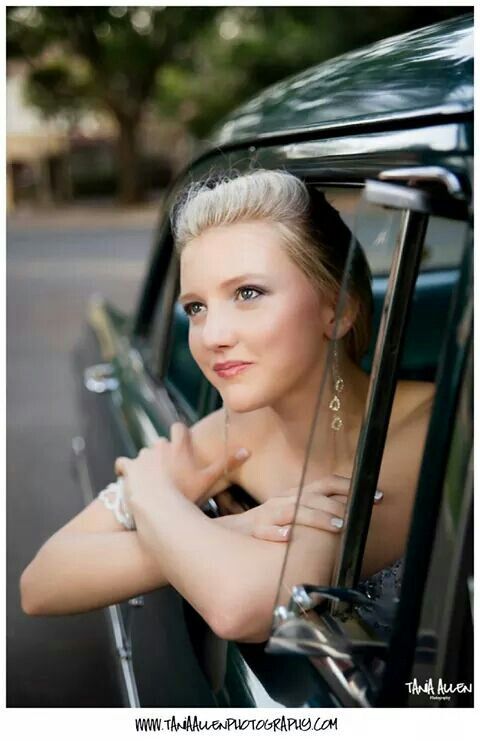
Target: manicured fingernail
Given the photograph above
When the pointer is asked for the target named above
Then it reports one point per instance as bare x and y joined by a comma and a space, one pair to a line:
337, 522
241, 454
284, 531
378, 495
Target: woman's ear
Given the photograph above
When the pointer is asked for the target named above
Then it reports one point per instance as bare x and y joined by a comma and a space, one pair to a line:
345, 323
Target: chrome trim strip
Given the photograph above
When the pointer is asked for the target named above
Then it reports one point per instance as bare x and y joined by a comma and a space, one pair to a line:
124, 655
419, 118
426, 174
379, 402
114, 613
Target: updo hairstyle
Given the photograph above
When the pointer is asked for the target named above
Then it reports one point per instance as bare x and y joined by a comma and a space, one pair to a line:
312, 232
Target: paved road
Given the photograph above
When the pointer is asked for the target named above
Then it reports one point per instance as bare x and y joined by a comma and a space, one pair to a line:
53, 265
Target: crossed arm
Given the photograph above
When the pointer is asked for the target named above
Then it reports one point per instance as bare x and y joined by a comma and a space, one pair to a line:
229, 576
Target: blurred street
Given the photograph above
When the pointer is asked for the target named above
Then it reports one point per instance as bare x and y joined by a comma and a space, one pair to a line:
55, 260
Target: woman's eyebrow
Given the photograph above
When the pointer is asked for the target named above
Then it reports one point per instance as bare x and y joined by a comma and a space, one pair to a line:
226, 283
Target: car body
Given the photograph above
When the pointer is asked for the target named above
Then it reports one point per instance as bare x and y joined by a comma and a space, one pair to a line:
388, 129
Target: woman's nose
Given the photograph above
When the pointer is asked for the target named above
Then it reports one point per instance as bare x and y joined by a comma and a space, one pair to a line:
218, 329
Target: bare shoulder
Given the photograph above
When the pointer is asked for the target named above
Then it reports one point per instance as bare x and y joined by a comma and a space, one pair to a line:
413, 400
410, 415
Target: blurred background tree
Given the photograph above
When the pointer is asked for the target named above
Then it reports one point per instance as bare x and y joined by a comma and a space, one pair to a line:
193, 64
103, 58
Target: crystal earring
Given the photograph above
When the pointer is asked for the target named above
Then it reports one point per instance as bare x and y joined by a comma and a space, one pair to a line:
338, 385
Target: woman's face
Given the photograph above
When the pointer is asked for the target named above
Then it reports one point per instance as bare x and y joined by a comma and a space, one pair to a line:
249, 303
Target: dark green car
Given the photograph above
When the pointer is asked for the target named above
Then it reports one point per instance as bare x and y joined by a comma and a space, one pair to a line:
386, 133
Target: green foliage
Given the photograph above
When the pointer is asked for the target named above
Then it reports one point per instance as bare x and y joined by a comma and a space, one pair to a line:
121, 49
57, 87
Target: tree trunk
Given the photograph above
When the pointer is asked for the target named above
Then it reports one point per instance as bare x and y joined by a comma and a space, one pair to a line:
130, 188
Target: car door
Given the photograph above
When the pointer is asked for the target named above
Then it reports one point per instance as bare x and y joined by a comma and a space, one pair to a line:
158, 383
177, 366
123, 408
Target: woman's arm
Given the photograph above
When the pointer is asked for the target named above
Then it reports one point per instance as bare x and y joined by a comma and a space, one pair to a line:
92, 562
234, 591
81, 571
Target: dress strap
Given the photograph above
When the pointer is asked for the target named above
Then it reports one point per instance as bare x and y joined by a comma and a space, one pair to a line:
113, 497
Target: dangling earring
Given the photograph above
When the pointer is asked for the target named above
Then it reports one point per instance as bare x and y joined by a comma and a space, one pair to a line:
338, 385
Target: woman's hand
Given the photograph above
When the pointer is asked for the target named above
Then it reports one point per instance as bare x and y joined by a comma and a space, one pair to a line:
173, 464
322, 506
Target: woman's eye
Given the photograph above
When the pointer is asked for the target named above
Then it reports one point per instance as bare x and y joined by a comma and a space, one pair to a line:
192, 309
248, 293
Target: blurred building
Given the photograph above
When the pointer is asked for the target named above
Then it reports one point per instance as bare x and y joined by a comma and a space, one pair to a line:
37, 150
55, 161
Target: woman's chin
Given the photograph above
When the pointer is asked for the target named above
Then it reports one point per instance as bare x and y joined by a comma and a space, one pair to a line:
241, 401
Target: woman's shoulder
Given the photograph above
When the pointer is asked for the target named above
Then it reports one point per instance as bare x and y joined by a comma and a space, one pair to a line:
412, 406
414, 397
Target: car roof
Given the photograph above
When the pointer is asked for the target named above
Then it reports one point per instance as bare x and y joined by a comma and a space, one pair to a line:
422, 73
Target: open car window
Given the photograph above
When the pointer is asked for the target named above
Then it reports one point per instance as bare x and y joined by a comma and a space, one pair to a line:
378, 231
440, 250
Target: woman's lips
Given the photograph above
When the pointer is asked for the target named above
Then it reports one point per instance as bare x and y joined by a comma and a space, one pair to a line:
232, 370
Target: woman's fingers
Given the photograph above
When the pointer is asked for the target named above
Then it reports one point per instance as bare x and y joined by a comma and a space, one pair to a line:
319, 515
235, 460
210, 474
335, 504
272, 532
120, 466
321, 519
315, 518
181, 438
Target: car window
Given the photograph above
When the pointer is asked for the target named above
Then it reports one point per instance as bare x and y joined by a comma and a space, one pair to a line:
165, 345
378, 230
441, 247
151, 332
182, 375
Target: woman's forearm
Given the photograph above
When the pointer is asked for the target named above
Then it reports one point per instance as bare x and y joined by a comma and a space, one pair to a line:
226, 575
80, 571
231, 578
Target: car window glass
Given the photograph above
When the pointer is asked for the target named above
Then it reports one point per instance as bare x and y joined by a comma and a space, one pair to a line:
442, 247
374, 228
335, 422
152, 341
165, 349
182, 375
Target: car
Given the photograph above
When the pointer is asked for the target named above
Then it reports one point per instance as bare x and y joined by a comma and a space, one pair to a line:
386, 133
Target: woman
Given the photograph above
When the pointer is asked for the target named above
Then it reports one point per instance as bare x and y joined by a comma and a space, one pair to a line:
261, 267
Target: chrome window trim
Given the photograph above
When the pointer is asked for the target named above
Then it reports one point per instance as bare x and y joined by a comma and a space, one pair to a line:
115, 619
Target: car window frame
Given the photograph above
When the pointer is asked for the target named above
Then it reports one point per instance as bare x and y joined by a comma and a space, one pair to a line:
343, 589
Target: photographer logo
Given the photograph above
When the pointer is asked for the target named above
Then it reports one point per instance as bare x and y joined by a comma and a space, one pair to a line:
439, 691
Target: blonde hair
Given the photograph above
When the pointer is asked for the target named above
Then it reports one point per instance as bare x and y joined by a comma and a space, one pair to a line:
314, 236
